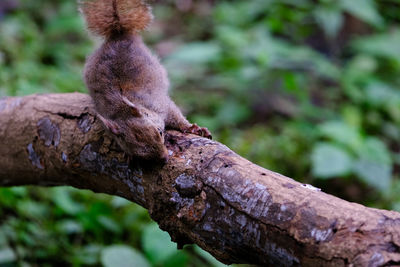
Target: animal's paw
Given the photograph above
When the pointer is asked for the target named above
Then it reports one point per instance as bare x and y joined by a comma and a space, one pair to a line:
201, 131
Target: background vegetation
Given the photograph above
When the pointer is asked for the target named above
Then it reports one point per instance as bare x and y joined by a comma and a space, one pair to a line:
307, 88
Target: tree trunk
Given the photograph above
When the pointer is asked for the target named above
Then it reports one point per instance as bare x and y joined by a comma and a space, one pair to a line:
206, 194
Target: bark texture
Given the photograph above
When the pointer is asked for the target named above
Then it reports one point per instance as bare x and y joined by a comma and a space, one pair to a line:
206, 194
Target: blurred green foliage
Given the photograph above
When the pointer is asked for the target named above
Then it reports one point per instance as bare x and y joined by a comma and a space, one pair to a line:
306, 88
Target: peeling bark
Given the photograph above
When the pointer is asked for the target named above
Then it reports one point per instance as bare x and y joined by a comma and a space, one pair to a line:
206, 194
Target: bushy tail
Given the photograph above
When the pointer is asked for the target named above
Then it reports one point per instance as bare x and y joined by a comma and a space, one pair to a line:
115, 17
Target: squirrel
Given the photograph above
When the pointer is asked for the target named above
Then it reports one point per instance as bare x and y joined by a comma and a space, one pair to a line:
127, 83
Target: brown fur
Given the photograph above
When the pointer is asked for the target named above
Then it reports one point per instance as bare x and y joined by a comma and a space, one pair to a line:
128, 84
114, 17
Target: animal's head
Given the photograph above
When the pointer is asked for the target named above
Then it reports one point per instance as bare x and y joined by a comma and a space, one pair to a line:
141, 134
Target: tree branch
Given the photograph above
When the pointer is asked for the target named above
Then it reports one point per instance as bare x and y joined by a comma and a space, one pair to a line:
205, 194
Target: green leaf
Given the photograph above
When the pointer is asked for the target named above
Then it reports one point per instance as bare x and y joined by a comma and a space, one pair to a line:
207, 256
69, 227
89, 254
375, 150
231, 36
7, 255
286, 56
157, 244
374, 165
109, 223
382, 45
179, 259
32, 209
377, 175
330, 161
122, 256
364, 10
330, 19
232, 112
197, 53
3, 238
359, 68
118, 202
379, 93
352, 115
342, 133
63, 200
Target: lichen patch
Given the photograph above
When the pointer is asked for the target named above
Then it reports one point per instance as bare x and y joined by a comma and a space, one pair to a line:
49, 132
34, 157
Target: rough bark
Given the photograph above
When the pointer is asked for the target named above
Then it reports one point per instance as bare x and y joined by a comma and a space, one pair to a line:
206, 194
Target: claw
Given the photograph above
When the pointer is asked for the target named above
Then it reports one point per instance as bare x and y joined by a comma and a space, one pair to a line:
201, 131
